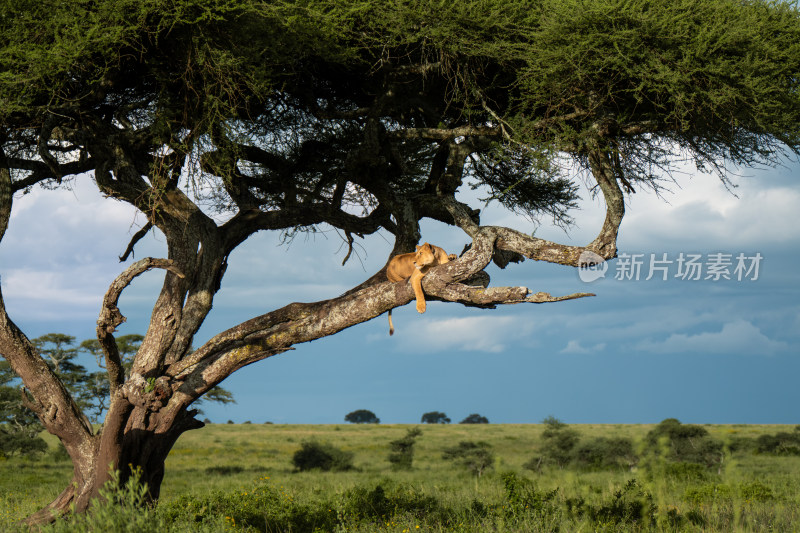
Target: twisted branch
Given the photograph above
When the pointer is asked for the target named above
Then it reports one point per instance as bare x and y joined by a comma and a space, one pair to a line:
111, 317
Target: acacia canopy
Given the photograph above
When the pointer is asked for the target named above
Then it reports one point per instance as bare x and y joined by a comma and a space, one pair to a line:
218, 119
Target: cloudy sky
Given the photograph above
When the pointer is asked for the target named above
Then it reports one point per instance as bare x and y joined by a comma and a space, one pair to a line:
724, 348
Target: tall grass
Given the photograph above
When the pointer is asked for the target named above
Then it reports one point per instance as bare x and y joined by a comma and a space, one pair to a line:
241, 477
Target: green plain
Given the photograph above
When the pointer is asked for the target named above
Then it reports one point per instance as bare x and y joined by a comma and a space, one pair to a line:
747, 492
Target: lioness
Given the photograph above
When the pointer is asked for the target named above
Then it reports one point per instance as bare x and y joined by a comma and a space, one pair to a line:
415, 265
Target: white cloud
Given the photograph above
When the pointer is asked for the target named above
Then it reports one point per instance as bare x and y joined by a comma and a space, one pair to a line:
702, 214
739, 336
481, 333
575, 347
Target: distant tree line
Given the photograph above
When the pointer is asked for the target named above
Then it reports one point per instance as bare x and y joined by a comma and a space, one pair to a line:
365, 416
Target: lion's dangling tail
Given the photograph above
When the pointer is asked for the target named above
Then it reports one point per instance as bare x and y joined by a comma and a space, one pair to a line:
391, 326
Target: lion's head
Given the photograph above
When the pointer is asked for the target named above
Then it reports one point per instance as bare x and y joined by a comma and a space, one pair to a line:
425, 256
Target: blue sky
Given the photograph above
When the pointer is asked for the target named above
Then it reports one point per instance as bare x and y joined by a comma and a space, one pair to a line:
704, 351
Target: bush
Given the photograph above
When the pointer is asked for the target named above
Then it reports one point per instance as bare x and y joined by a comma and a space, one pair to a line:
553, 423
314, 455
558, 445
386, 501
781, 443
122, 508
684, 443
629, 505
602, 452
224, 470
686, 472
474, 456
403, 450
521, 495
260, 508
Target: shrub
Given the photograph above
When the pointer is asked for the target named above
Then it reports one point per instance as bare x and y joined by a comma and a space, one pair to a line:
781, 443
226, 470
403, 450
121, 508
260, 508
386, 501
314, 455
557, 448
553, 423
687, 472
603, 452
684, 443
521, 494
629, 505
474, 456
708, 493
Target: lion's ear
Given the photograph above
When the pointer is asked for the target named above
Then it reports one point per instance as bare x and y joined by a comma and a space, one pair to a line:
418, 247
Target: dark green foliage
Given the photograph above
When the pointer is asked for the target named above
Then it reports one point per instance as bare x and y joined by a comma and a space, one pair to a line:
127, 345
781, 443
521, 493
402, 455
387, 500
19, 427
523, 181
474, 456
89, 389
629, 505
224, 470
712, 78
559, 440
435, 417
262, 508
716, 493
606, 452
314, 455
18, 441
124, 508
552, 423
362, 416
686, 472
561, 446
684, 443
475, 418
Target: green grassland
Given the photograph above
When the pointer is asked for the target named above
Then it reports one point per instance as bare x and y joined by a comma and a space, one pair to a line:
241, 477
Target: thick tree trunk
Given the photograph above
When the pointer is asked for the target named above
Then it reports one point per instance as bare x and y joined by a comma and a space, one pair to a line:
143, 450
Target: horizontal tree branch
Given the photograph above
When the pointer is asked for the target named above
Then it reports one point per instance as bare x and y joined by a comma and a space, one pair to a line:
278, 331
42, 172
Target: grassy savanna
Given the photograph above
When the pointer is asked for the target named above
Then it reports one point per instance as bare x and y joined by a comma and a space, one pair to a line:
241, 477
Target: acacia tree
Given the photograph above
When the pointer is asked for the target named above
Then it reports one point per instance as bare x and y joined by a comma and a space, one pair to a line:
365, 116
